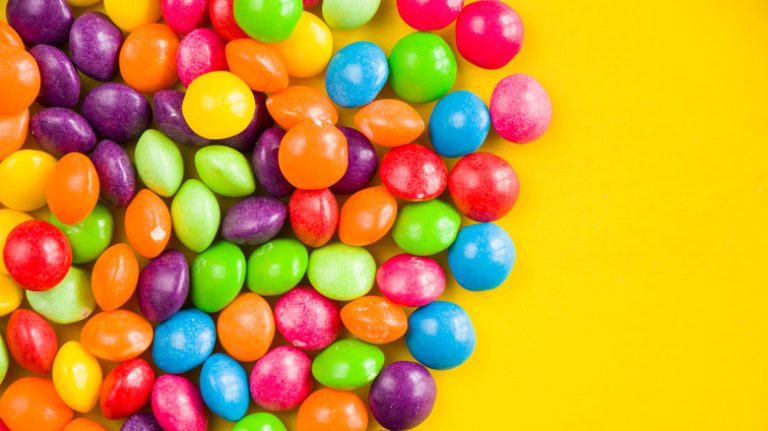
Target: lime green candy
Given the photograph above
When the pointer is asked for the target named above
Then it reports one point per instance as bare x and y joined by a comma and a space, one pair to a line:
196, 215
348, 364
225, 170
348, 14
341, 272
422, 68
276, 267
3, 360
217, 275
91, 236
68, 302
426, 228
259, 422
159, 163
268, 20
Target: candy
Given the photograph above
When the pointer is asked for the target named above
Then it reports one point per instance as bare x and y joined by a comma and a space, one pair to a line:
267, 21
117, 112
348, 364
11, 295
314, 215
114, 277
260, 422
218, 105
19, 79
195, 215
23, 178
59, 83
117, 176
130, 16
60, 131
308, 49
31, 340
163, 285
332, 410
83, 424
307, 319
261, 121
298, 103
349, 14
426, 228
389, 122
374, 319
259, 65
459, 124
117, 335
254, 221
13, 132
482, 256
440, 335
68, 302
144, 421
91, 236
183, 342
9, 219
313, 155
489, 34
169, 119
94, 45
222, 16
224, 387
367, 216
246, 327
413, 172
265, 164
341, 272
483, 186
177, 404
148, 58
225, 171
3, 360
217, 275
426, 15
200, 52
520, 109
73, 188
37, 255
412, 281
403, 395
281, 379
183, 16
356, 74
8, 36
40, 21
147, 224
422, 67
77, 377
126, 389
362, 162
277, 266
24, 399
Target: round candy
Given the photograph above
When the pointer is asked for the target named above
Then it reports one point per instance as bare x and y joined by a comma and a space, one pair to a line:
412, 281
459, 124
362, 162
19, 78
217, 276
389, 122
114, 277
32, 341
413, 172
259, 65
183, 16
314, 215
426, 228
440, 335
184, 341
265, 163
277, 267
126, 389
148, 58
281, 379
23, 179
117, 112
332, 410
200, 52
225, 170
307, 319
520, 109
260, 422
68, 302
40, 21
267, 20
59, 82
60, 131
130, 16
91, 236
73, 188
94, 45
116, 335
147, 224
308, 49
341, 272
348, 14
224, 387
177, 404
356, 74
367, 216
169, 119
195, 215
313, 155
83, 424
422, 67
218, 105
77, 377
374, 319
24, 399
222, 16
9, 219
117, 176
482, 256
261, 121
37, 255
8, 36
298, 103
164, 285
483, 186
348, 364
11, 295
143, 421
254, 220
13, 132
426, 15
489, 34
402, 396
246, 327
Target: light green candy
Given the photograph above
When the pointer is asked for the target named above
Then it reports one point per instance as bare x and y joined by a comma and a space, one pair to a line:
159, 163
3, 360
259, 422
347, 14
68, 302
348, 364
196, 215
341, 272
91, 236
217, 276
426, 228
276, 267
225, 170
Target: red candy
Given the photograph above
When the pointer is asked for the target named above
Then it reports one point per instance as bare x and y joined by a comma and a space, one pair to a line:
184, 16
483, 186
426, 15
222, 16
314, 215
31, 341
200, 52
37, 255
307, 319
489, 33
413, 172
126, 389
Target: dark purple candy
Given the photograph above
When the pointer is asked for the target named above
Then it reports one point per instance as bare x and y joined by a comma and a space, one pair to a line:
361, 165
40, 21
254, 221
402, 396
170, 121
94, 44
143, 421
117, 176
265, 164
60, 131
164, 285
245, 140
117, 112
59, 82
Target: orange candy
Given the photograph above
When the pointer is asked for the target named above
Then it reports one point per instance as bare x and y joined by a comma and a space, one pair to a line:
116, 335
332, 410
374, 319
114, 277
389, 122
83, 424
367, 216
31, 403
147, 224
73, 188
9, 37
298, 103
13, 131
246, 327
148, 58
19, 79
259, 65
313, 155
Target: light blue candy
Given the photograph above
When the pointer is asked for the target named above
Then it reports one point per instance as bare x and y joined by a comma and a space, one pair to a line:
482, 256
224, 387
459, 124
356, 74
440, 335
184, 341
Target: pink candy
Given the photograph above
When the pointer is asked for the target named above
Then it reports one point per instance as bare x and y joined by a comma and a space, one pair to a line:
520, 108
428, 15
200, 52
307, 319
409, 280
184, 16
489, 33
177, 404
281, 379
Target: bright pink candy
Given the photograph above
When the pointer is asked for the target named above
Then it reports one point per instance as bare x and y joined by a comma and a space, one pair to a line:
409, 280
413, 172
307, 319
483, 186
222, 16
428, 15
520, 108
184, 16
178, 405
489, 33
200, 52
281, 379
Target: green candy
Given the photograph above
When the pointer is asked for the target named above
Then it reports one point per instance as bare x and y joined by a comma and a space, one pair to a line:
225, 170
422, 68
276, 267
91, 236
268, 20
195, 214
159, 163
426, 228
259, 422
348, 14
348, 364
3, 360
217, 276
341, 272
68, 302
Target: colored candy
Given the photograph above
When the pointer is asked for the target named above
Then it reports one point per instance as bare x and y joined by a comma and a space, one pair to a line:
412, 281
90, 237
389, 122
126, 389
367, 216
259, 65
277, 266
195, 214
246, 327
422, 67
163, 285
413, 172
23, 179
482, 256
147, 224
59, 83
94, 45
426, 228
68, 302
281, 379
8, 36
222, 16
19, 79
3, 360
489, 34
117, 335
200, 52
440, 335
117, 176
169, 119
348, 364
13, 132
520, 109
254, 221
73, 188
298, 103
9, 219
332, 410
308, 49
40, 21
60, 131
362, 162
24, 399
148, 58
459, 124
11, 295
114, 277
260, 422
261, 121
143, 421
374, 319
267, 20
265, 164
130, 16
37, 255
356, 74
218, 105
426, 15
313, 155
402, 396
83, 424
31, 340
307, 319
348, 14
183, 16
117, 112
77, 377
217, 276
224, 387
341, 272
225, 170
177, 404
183, 342
483, 186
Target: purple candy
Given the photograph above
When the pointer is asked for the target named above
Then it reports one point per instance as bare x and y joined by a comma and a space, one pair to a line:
40, 21
402, 396
254, 221
170, 120
59, 82
164, 285
265, 164
60, 131
143, 421
94, 44
245, 140
117, 177
117, 112
361, 165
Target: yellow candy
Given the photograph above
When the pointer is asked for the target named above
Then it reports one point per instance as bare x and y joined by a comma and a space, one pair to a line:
218, 105
9, 219
309, 48
23, 177
129, 15
11, 295
82, 3
77, 377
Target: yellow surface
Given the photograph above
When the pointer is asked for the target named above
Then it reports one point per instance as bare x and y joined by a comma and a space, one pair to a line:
639, 298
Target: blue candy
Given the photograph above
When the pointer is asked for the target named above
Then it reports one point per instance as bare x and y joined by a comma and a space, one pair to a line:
224, 387
356, 74
459, 124
440, 335
482, 256
184, 341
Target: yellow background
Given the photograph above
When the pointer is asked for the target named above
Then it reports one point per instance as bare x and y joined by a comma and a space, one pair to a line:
639, 300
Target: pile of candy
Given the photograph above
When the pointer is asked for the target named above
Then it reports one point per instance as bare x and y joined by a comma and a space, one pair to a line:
239, 101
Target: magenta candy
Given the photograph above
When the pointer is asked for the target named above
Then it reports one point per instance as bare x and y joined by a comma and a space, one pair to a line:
362, 162
200, 52
170, 120
60, 131
265, 164
94, 45
411, 281
254, 220
40, 21
520, 109
177, 404
413, 172
183, 16
117, 112
281, 379
163, 285
307, 319
426, 15
59, 82
117, 176
245, 140
489, 33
